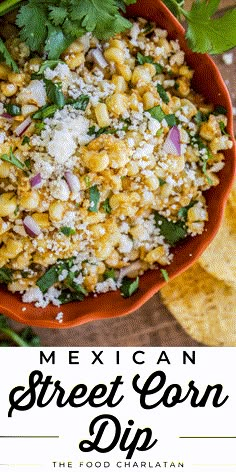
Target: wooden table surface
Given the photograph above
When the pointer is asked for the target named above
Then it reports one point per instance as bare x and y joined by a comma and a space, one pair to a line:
151, 325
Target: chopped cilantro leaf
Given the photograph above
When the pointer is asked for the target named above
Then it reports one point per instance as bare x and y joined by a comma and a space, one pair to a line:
220, 110
6, 56
159, 115
105, 130
222, 128
129, 286
67, 231
162, 93
27, 338
165, 275
13, 110
109, 274
54, 93
28, 163
161, 181
67, 296
45, 112
49, 64
25, 140
201, 117
106, 206
183, 212
80, 103
94, 197
48, 279
12, 159
5, 275
149, 60
172, 232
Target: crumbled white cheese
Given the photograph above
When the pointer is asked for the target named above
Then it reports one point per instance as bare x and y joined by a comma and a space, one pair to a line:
62, 146
2, 137
106, 286
228, 58
59, 190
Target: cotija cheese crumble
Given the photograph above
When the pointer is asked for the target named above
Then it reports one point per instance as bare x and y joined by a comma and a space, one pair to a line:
104, 159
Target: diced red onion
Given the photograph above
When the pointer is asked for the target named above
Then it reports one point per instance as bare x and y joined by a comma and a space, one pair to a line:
172, 143
23, 126
72, 181
7, 116
35, 180
31, 227
97, 56
127, 270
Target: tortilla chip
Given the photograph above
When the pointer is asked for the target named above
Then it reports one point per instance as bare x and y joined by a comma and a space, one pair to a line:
204, 306
219, 259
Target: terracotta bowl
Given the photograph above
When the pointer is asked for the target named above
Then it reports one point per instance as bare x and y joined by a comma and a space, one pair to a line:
207, 81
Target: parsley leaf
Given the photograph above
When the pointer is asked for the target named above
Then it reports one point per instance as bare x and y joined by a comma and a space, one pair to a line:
207, 34
129, 286
6, 56
94, 197
12, 159
172, 232
162, 93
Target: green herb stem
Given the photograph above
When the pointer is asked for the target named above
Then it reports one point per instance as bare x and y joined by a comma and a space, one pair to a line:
14, 336
8, 5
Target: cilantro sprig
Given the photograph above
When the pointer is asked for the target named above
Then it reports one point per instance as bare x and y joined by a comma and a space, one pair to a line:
204, 32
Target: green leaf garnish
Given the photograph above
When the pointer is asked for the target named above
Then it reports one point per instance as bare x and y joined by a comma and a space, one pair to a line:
159, 115
6, 56
80, 103
109, 274
12, 159
183, 212
45, 112
149, 60
13, 110
49, 64
129, 286
165, 275
94, 197
162, 93
54, 93
106, 206
67, 231
48, 279
220, 110
105, 130
5, 275
25, 140
201, 117
172, 232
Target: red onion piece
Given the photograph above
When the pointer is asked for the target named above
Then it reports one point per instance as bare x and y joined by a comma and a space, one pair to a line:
35, 180
72, 181
23, 126
97, 56
31, 227
172, 143
127, 270
7, 116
